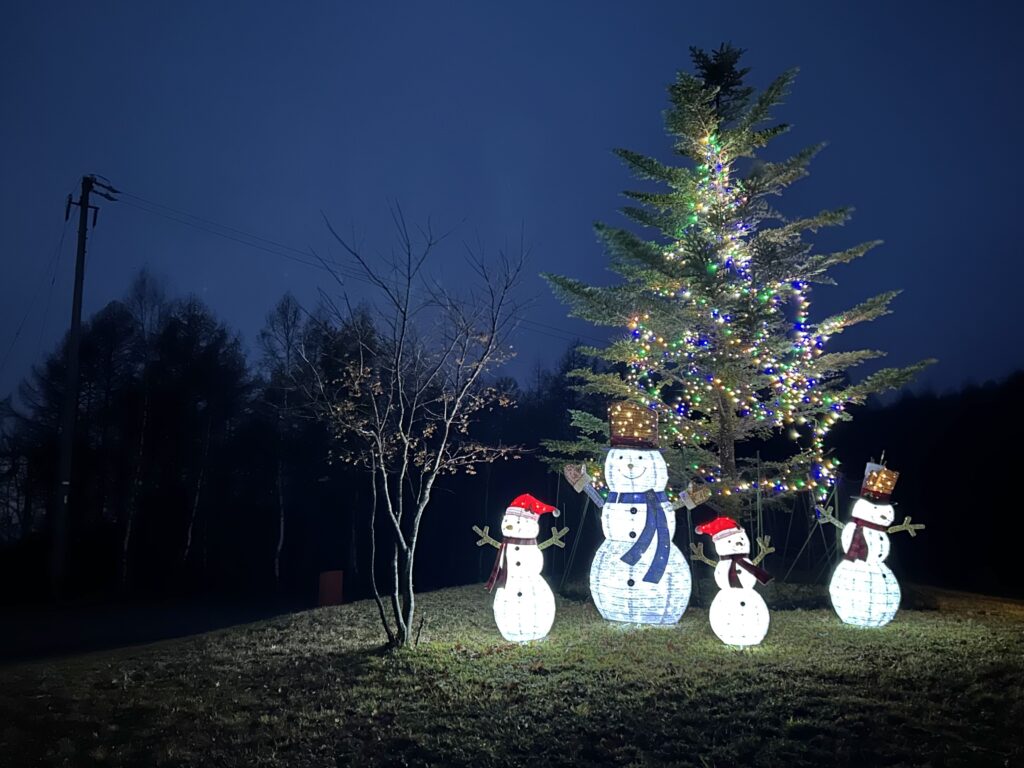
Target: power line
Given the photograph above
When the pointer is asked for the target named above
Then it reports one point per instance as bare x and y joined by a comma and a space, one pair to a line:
224, 235
211, 223
49, 291
49, 266
283, 250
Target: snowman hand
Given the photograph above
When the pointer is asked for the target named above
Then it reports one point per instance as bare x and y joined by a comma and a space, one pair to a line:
697, 553
907, 526
824, 515
764, 548
485, 537
556, 539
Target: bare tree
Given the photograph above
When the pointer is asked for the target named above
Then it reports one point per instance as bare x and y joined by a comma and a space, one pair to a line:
411, 384
15, 519
279, 341
147, 301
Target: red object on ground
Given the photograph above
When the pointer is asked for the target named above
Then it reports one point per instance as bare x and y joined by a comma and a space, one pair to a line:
331, 588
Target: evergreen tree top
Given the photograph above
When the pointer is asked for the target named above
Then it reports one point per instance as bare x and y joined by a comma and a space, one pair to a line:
718, 338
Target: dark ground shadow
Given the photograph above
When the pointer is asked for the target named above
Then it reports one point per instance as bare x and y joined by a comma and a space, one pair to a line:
40, 632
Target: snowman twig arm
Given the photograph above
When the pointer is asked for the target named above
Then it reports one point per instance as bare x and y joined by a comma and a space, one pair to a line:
764, 548
556, 539
485, 537
697, 553
906, 525
825, 516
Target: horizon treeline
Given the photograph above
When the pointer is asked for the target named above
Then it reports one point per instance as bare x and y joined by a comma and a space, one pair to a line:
201, 471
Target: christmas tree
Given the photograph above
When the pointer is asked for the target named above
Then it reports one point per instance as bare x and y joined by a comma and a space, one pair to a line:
718, 337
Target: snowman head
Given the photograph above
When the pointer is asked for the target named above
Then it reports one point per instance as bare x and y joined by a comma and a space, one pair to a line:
735, 543
518, 524
879, 513
522, 518
635, 469
728, 536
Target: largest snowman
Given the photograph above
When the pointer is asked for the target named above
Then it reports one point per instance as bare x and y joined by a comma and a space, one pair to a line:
638, 575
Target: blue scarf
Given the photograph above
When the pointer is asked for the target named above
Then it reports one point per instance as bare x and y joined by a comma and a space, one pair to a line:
656, 523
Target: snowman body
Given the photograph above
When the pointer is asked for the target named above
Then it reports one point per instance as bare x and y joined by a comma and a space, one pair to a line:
864, 591
738, 615
638, 575
524, 607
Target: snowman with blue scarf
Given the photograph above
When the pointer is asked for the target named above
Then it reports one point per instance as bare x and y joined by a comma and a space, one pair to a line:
638, 575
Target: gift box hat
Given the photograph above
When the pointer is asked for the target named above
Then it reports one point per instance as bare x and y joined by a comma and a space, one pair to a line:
632, 425
878, 484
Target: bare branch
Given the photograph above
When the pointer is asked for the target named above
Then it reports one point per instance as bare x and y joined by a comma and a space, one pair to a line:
555, 540
824, 515
485, 537
906, 525
764, 548
697, 553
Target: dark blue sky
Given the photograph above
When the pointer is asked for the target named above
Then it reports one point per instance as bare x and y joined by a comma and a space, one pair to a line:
259, 115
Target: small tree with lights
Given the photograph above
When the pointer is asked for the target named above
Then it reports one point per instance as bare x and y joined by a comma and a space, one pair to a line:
401, 383
718, 338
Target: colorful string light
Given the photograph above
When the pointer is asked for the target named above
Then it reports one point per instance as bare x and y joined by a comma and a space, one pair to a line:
748, 347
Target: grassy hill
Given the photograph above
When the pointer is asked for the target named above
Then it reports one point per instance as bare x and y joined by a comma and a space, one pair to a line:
936, 687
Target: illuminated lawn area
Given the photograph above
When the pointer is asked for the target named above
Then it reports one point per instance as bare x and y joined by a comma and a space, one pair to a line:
936, 687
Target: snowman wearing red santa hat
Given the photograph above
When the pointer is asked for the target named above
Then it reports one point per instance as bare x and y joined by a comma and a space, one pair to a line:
738, 614
524, 606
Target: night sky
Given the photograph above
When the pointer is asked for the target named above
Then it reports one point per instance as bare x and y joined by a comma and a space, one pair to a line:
497, 118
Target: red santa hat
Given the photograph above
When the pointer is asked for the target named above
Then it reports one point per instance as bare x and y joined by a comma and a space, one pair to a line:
525, 504
719, 528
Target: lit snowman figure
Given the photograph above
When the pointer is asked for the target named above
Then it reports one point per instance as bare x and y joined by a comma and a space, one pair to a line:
638, 575
524, 606
738, 614
864, 591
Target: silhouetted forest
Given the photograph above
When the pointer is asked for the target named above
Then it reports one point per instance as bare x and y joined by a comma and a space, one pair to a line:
199, 471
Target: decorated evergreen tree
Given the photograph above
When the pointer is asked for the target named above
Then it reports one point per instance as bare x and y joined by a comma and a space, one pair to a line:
718, 338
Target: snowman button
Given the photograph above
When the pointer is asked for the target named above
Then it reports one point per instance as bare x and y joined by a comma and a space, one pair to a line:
518, 563
632, 534
517, 547
630, 582
632, 510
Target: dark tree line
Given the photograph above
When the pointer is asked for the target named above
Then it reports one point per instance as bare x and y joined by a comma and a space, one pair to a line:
183, 451
198, 471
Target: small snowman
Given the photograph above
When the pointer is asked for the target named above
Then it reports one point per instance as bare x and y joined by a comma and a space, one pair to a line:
738, 614
524, 606
638, 575
864, 591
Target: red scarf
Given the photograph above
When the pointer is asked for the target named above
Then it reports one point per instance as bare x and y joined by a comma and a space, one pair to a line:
499, 573
858, 545
740, 561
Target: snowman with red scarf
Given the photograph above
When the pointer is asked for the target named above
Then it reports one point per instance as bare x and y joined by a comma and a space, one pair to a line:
738, 614
524, 606
864, 591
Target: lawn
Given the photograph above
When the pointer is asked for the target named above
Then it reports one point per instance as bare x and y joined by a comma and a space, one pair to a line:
938, 686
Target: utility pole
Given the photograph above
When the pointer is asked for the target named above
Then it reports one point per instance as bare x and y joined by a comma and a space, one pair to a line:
58, 555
